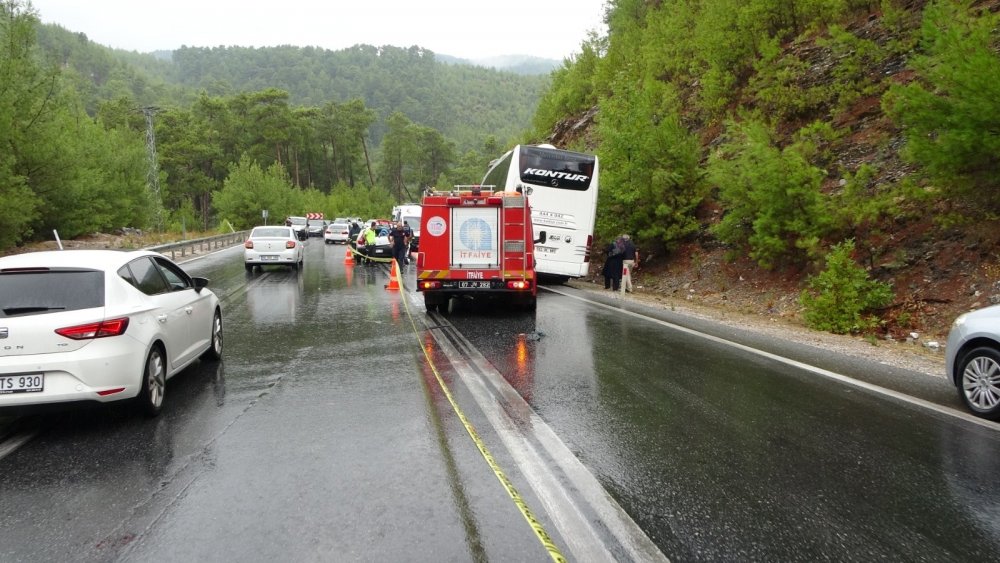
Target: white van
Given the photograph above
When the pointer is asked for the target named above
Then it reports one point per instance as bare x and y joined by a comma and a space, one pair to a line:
409, 213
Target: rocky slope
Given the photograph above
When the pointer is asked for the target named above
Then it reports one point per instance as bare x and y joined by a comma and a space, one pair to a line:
936, 273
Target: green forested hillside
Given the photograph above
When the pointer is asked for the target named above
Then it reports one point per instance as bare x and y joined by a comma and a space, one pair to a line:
97, 139
791, 134
465, 103
782, 130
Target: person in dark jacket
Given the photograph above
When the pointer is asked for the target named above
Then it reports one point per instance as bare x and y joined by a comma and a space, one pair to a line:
613, 265
352, 239
400, 241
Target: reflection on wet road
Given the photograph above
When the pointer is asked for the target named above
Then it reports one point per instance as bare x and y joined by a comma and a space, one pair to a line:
724, 454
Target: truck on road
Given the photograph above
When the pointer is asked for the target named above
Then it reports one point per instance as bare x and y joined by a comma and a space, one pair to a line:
476, 244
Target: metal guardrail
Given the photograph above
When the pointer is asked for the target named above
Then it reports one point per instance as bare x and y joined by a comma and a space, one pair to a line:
192, 247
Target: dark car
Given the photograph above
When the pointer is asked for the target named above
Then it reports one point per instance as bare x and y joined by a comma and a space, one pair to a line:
315, 227
382, 247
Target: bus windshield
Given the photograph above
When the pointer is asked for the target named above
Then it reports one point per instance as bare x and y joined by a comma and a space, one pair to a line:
558, 169
562, 189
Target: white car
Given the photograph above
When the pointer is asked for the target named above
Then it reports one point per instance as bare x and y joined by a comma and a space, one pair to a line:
337, 233
299, 224
275, 245
972, 360
98, 326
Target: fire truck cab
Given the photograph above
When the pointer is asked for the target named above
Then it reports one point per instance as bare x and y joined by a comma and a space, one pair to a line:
476, 243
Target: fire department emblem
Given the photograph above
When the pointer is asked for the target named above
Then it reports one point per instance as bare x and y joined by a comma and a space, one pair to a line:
476, 234
436, 226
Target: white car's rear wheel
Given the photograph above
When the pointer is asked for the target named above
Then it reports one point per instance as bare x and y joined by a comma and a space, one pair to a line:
214, 351
154, 382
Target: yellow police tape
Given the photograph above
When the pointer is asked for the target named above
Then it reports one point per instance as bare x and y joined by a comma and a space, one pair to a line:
366, 257
522, 506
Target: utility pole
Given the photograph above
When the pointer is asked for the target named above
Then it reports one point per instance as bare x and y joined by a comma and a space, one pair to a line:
368, 162
153, 172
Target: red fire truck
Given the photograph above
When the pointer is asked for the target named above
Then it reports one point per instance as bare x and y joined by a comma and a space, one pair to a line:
476, 243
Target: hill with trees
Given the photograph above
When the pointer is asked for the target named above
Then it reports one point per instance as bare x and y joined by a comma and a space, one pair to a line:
233, 130
798, 158
829, 159
465, 102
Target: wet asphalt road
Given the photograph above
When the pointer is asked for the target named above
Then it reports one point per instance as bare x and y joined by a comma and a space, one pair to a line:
325, 435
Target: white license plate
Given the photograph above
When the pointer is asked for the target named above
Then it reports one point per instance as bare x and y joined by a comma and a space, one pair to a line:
269, 257
26, 383
474, 284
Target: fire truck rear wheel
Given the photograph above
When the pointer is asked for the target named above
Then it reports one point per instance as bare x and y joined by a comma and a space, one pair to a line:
525, 303
435, 302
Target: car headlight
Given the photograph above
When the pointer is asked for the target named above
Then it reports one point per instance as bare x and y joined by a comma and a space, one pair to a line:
960, 320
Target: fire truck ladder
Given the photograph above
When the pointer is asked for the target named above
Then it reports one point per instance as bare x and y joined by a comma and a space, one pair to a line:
515, 245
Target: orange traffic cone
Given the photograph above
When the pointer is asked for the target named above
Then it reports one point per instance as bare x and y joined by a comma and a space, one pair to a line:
349, 259
393, 277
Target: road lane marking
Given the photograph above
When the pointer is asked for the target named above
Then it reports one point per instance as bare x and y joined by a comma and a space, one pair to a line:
546, 462
550, 466
550, 547
11, 443
797, 364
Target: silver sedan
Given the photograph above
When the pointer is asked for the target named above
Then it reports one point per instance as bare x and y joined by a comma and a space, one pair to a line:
972, 360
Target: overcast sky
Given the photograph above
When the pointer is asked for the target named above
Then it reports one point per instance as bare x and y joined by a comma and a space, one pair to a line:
551, 29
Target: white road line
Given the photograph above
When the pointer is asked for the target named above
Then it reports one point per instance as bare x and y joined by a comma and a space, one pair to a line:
794, 363
552, 489
12, 443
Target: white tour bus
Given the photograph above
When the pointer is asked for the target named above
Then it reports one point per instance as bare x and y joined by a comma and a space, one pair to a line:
562, 190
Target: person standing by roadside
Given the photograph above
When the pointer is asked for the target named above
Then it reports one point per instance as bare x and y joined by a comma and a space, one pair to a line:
409, 240
400, 244
366, 242
613, 265
352, 239
629, 259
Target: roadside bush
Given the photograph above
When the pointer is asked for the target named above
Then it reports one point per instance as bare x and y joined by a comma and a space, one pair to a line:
772, 195
837, 299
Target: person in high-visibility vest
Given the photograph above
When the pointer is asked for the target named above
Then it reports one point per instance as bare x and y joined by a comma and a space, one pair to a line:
368, 239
